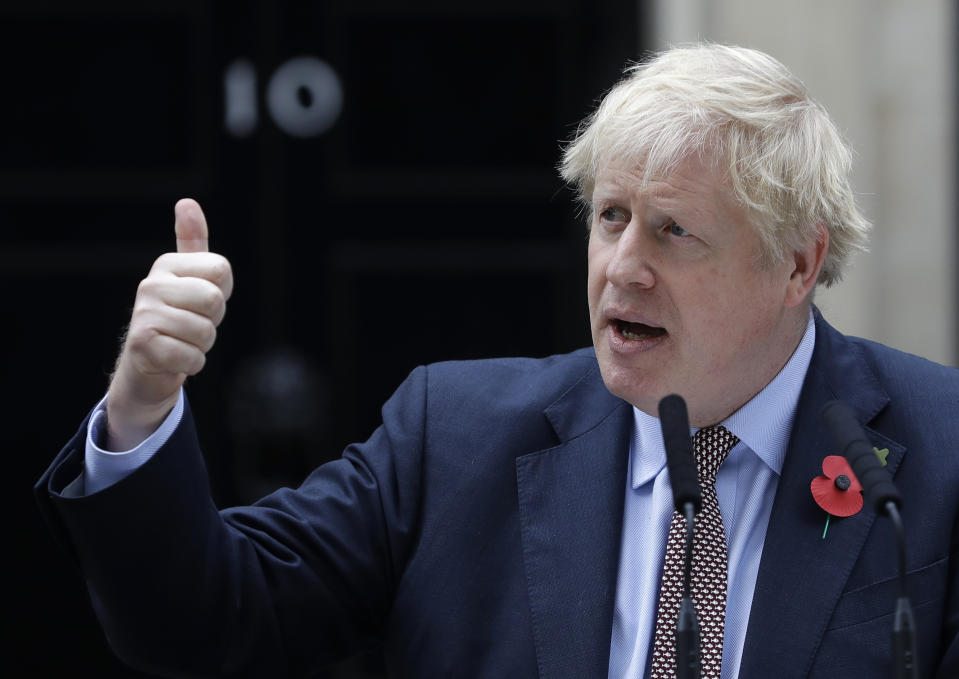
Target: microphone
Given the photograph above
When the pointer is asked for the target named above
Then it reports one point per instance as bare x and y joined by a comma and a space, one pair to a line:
880, 492
679, 452
855, 447
687, 496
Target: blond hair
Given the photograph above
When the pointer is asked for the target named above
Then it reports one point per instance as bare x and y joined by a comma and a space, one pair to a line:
785, 160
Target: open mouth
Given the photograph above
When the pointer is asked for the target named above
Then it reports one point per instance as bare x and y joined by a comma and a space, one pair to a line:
638, 331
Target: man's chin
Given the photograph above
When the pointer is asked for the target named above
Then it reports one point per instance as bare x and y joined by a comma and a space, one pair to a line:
624, 384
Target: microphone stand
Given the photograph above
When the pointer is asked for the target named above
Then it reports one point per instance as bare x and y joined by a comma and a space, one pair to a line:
903, 626
882, 494
687, 626
681, 462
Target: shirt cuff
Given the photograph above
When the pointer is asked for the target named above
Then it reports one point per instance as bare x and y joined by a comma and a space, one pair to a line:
103, 468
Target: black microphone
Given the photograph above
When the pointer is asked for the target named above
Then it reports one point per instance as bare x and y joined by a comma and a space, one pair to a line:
849, 437
679, 453
687, 496
883, 495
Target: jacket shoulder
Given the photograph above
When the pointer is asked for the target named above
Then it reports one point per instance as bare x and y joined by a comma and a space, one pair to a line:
508, 382
905, 374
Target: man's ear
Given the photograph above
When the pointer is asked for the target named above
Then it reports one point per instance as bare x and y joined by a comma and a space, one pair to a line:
807, 263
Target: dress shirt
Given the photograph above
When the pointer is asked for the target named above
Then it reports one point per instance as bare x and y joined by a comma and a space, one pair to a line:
745, 485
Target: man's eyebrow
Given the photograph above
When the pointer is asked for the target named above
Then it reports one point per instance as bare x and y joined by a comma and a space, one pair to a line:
605, 197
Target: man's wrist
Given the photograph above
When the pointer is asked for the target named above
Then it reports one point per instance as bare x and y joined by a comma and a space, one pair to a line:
103, 467
126, 430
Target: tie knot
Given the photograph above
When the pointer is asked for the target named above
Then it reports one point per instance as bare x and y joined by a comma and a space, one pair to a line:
711, 446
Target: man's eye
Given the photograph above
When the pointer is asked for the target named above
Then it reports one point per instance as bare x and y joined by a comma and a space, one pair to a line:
612, 214
676, 230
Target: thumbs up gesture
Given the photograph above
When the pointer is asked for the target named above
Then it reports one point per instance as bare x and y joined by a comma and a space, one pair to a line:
173, 325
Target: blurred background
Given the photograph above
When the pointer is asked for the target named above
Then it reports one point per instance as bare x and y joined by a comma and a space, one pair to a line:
381, 175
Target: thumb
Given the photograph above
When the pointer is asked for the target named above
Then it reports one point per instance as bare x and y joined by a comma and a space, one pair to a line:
192, 234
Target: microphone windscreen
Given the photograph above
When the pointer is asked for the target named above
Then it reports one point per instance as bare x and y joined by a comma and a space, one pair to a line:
851, 440
679, 452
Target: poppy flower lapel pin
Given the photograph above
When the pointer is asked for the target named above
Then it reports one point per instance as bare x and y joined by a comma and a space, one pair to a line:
838, 491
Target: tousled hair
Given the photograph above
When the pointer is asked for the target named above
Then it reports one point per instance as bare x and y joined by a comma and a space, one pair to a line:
784, 159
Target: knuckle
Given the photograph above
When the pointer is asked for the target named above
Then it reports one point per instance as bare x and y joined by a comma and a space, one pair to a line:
163, 262
167, 356
220, 270
138, 339
147, 286
219, 313
144, 318
213, 299
210, 337
195, 363
154, 346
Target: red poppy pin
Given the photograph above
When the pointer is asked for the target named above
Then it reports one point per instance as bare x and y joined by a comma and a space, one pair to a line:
838, 491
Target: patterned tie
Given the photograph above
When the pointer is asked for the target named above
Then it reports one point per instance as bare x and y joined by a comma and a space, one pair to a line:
709, 567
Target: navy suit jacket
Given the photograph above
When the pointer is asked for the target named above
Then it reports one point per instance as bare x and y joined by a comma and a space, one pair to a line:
477, 533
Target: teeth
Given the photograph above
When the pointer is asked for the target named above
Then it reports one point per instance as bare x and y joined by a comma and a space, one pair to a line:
630, 335
639, 331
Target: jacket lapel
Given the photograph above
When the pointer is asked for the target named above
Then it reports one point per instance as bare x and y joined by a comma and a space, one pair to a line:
571, 511
801, 574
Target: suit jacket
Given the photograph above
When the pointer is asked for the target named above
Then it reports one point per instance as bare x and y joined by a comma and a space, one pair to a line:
477, 532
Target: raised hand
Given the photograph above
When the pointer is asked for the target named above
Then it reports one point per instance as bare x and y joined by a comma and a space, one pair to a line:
177, 310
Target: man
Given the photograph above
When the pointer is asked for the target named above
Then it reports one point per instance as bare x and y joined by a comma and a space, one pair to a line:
510, 517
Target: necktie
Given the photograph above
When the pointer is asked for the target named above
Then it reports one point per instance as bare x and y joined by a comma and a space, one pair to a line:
708, 583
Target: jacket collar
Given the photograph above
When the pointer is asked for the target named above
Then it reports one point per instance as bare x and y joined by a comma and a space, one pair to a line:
571, 512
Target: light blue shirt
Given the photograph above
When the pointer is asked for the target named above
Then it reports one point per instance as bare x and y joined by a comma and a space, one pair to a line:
745, 485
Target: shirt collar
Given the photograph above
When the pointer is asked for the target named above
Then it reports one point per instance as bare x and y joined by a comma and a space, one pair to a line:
763, 424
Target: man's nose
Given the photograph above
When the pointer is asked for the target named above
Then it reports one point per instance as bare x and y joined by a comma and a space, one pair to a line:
630, 264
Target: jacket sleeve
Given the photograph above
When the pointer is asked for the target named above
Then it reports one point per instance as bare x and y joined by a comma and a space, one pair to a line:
303, 577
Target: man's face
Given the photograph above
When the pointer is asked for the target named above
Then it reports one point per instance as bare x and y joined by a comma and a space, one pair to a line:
678, 300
